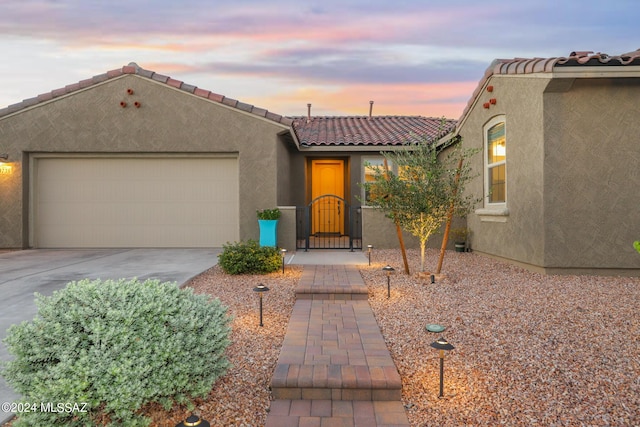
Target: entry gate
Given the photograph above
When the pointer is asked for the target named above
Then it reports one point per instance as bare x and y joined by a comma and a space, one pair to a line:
328, 222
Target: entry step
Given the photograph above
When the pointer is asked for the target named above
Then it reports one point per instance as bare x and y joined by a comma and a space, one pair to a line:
298, 413
330, 282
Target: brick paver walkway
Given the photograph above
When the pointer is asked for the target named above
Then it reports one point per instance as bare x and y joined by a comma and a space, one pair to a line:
334, 368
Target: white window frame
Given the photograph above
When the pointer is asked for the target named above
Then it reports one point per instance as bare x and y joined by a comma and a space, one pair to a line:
369, 159
497, 211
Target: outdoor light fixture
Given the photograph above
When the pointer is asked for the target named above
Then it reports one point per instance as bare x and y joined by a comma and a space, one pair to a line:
5, 169
369, 247
193, 421
389, 270
260, 289
442, 345
284, 252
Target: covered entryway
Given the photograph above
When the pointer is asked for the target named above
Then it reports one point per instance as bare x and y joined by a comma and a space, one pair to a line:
327, 178
328, 221
348, 235
134, 201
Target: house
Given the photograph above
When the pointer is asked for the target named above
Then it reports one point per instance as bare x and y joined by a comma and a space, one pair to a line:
559, 170
133, 158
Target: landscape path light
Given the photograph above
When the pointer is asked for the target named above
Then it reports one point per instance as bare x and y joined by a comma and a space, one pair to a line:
442, 345
260, 289
369, 248
284, 253
194, 421
389, 270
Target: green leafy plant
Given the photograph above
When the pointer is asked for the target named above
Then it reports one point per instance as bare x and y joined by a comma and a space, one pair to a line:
636, 245
460, 234
249, 258
271, 214
422, 194
116, 346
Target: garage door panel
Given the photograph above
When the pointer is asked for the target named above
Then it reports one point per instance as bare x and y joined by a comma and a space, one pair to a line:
136, 202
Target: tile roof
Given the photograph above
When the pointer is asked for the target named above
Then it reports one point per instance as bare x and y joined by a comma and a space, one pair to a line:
369, 131
548, 65
133, 68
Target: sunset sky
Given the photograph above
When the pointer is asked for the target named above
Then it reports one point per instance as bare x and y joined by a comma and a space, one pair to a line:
412, 57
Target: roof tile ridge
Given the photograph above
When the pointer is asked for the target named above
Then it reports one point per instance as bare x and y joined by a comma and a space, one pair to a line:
629, 57
134, 68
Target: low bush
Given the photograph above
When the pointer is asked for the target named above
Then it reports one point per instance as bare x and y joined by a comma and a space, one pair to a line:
116, 346
249, 258
269, 214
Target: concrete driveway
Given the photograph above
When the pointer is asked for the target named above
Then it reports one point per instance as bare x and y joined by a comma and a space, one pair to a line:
24, 272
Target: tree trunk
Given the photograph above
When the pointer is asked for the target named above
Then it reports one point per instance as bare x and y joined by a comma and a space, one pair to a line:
445, 238
398, 229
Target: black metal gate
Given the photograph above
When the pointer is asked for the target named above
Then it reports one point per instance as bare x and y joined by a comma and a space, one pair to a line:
328, 222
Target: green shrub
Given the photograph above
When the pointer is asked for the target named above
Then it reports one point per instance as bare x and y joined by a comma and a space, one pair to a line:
269, 214
249, 258
116, 346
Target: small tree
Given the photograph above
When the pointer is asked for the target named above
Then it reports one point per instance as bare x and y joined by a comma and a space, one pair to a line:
421, 194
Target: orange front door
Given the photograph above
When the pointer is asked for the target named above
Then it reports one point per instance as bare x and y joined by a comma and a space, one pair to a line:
327, 178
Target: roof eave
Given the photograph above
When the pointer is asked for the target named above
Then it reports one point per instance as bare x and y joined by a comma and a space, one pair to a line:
595, 71
349, 148
558, 72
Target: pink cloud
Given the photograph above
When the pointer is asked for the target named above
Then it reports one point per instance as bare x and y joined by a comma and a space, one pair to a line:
431, 100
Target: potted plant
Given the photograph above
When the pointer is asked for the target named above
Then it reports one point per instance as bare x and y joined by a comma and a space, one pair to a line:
460, 238
268, 223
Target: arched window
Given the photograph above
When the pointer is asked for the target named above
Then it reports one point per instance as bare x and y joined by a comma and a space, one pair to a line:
495, 162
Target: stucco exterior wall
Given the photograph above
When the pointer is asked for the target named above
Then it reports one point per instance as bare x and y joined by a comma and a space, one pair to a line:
11, 200
286, 181
592, 175
380, 231
169, 121
287, 228
518, 236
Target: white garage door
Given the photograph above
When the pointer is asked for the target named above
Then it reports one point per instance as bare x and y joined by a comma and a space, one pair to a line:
135, 202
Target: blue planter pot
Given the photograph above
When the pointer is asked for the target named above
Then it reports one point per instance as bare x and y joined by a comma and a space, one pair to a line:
268, 232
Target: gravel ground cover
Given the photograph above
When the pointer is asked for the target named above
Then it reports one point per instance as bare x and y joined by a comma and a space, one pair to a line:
530, 349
